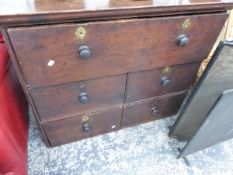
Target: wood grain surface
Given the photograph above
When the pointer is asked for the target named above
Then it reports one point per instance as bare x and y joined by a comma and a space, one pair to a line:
68, 130
148, 84
59, 102
117, 47
137, 113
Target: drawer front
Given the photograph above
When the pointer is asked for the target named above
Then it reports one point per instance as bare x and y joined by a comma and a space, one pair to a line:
62, 53
150, 110
148, 84
62, 101
84, 126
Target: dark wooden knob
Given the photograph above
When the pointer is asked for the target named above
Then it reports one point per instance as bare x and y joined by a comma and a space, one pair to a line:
154, 110
84, 52
86, 127
182, 40
83, 98
165, 81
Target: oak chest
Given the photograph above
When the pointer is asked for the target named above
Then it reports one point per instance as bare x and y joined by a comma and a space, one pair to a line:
93, 67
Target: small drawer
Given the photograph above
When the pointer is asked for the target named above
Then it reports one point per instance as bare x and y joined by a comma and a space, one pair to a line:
62, 101
83, 126
157, 82
150, 110
55, 54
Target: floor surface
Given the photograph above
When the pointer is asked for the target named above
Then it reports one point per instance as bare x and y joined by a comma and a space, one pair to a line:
142, 150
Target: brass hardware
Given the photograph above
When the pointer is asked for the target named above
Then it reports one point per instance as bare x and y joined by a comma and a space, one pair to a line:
166, 70
84, 52
81, 33
81, 86
85, 118
86, 126
165, 81
186, 24
182, 40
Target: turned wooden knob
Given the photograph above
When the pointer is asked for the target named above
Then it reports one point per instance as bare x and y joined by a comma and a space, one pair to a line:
182, 40
84, 52
154, 110
86, 127
83, 98
165, 81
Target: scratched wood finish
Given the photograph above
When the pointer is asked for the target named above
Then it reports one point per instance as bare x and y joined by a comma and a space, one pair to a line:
68, 130
148, 84
62, 101
117, 47
136, 113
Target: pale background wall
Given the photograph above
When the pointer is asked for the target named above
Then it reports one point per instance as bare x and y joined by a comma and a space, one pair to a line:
226, 34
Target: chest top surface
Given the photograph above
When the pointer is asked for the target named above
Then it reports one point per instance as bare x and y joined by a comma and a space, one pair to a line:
45, 11
50, 6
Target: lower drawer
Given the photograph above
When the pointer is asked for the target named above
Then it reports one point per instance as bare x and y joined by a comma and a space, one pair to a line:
63, 101
152, 109
158, 82
83, 126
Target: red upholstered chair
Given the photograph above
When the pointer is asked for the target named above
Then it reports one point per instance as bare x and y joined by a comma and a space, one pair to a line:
13, 119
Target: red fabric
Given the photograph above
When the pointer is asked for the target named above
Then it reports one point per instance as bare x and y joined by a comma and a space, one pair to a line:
13, 120
4, 60
1, 38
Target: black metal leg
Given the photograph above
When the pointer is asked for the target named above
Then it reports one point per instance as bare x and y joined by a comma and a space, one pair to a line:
186, 160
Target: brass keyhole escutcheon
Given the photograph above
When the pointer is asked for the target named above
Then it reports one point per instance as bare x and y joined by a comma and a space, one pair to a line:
166, 70
81, 85
81, 33
85, 118
186, 24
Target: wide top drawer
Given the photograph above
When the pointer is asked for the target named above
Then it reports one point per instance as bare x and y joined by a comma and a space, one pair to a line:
55, 54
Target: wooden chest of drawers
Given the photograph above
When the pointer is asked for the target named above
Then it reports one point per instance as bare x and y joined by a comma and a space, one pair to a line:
89, 69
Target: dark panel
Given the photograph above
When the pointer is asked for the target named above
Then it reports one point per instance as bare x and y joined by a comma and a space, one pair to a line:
62, 101
216, 128
80, 127
216, 78
148, 84
153, 109
116, 47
